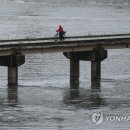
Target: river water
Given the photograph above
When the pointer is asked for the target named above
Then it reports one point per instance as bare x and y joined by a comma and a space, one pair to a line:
43, 100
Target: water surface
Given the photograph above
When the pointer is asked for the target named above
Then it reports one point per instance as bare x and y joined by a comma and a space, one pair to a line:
43, 99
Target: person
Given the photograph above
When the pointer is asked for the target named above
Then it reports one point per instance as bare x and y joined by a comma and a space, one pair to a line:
60, 30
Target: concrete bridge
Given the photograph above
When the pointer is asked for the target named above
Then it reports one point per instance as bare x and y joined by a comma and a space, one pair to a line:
88, 48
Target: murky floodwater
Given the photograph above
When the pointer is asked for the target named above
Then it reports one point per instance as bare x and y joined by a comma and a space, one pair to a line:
43, 99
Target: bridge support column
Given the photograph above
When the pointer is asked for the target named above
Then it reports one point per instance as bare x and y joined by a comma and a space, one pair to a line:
12, 62
74, 69
74, 74
12, 76
95, 74
99, 55
95, 56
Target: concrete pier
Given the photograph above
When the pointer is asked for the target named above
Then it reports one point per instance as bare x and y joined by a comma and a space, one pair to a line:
95, 74
74, 69
12, 95
12, 75
12, 62
95, 56
100, 54
74, 74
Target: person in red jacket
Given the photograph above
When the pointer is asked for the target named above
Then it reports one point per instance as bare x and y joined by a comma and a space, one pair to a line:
61, 32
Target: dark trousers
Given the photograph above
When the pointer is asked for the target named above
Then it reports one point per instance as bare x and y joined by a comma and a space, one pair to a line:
61, 35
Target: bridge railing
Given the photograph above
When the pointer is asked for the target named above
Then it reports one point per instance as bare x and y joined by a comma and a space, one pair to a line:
71, 37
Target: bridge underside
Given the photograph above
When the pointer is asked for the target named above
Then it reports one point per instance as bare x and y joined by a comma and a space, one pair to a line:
96, 56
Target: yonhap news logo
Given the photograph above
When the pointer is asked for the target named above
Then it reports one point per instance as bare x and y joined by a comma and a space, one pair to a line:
99, 117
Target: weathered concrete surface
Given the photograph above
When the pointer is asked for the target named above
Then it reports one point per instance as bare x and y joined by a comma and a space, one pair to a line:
74, 74
27, 46
95, 56
12, 62
12, 76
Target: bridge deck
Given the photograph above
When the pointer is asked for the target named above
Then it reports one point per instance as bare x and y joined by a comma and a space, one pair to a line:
79, 43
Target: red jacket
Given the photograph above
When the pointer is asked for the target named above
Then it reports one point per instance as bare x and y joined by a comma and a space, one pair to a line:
60, 29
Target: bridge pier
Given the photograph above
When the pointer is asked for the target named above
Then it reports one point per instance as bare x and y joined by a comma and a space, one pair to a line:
74, 74
95, 56
95, 74
12, 76
12, 62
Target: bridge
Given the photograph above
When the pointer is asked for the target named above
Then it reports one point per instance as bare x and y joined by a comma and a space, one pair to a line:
88, 48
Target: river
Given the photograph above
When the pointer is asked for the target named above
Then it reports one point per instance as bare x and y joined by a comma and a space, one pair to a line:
43, 100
